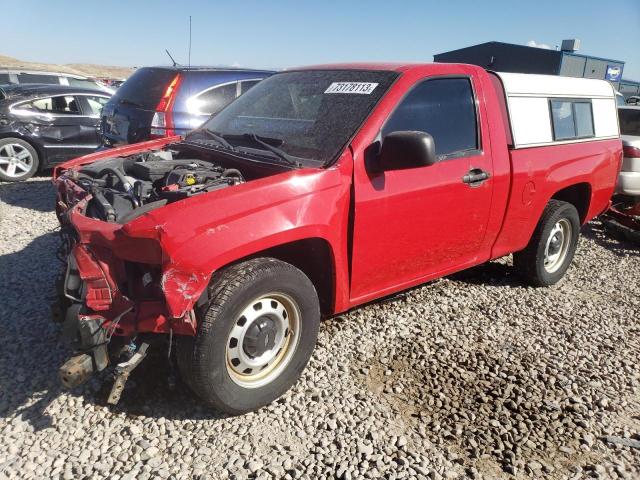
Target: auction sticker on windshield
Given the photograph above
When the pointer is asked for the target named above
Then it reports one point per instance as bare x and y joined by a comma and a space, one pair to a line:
363, 88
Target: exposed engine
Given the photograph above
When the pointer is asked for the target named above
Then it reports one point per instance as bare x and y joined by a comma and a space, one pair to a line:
125, 188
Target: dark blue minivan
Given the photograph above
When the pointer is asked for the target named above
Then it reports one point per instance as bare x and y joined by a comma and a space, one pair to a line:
163, 101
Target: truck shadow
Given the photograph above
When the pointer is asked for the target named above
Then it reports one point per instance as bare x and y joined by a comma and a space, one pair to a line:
35, 194
30, 346
492, 273
32, 351
155, 390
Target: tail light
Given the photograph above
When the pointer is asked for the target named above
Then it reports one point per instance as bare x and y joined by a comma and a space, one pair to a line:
162, 122
631, 152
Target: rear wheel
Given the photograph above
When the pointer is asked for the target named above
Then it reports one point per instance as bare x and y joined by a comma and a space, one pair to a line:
18, 160
550, 251
255, 335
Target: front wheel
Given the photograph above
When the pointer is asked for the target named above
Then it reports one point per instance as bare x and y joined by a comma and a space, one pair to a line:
255, 335
550, 251
18, 160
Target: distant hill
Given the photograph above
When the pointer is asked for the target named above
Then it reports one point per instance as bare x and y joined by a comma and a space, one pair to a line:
85, 69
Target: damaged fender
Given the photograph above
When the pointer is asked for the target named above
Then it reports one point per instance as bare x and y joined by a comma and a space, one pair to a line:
200, 235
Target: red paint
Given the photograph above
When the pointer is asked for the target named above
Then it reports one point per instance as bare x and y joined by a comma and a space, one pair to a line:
407, 226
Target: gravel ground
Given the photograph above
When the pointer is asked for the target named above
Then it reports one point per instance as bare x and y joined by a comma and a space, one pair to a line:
473, 375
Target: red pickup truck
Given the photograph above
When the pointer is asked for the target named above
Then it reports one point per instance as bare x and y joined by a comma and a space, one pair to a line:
320, 189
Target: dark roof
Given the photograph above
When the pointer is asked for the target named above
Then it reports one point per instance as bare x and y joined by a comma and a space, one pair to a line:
483, 44
200, 68
524, 49
505, 57
38, 89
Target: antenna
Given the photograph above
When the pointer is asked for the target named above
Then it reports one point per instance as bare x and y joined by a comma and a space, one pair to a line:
189, 40
174, 62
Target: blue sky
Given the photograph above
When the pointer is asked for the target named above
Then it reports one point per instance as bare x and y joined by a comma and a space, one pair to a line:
277, 34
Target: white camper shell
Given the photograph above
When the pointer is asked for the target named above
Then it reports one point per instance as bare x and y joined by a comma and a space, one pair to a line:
551, 110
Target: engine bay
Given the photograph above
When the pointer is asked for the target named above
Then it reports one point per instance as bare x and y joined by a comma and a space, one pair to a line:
124, 188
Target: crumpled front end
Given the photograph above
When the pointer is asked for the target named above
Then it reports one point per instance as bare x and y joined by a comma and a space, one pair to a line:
115, 285
144, 231
121, 269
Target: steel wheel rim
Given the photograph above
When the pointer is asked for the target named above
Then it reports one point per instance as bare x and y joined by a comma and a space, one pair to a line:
557, 245
15, 160
247, 365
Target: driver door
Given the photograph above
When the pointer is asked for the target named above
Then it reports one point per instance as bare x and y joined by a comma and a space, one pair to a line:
418, 223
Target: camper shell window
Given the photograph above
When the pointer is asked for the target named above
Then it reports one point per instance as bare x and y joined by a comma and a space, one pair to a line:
571, 119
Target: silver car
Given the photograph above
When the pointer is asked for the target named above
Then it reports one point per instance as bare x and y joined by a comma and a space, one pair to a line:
629, 178
17, 76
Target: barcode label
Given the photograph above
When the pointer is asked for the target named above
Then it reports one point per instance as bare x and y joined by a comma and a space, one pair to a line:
362, 88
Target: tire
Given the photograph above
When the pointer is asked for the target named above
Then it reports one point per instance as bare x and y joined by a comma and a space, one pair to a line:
536, 262
225, 364
18, 160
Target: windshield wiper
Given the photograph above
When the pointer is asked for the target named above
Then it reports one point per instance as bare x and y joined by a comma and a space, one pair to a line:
284, 156
215, 136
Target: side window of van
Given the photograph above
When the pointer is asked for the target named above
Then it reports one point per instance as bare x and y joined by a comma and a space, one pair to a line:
247, 84
445, 108
571, 119
215, 99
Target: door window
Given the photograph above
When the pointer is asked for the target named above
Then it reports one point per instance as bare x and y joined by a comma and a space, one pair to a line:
213, 100
444, 108
59, 105
96, 104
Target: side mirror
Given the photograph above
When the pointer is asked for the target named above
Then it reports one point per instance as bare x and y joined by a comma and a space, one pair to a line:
407, 149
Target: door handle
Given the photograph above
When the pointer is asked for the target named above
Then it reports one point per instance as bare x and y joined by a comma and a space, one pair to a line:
475, 177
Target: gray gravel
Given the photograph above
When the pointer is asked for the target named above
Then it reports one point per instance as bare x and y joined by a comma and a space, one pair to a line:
473, 375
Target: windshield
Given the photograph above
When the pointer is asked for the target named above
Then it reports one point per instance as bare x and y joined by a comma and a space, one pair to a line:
308, 115
629, 121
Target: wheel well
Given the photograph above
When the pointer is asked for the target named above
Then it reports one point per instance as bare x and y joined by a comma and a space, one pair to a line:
314, 257
579, 195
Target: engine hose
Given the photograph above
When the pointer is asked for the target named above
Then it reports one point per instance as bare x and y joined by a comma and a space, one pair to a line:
126, 186
232, 172
117, 173
109, 212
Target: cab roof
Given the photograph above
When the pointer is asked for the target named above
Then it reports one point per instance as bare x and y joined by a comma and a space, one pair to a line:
399, 67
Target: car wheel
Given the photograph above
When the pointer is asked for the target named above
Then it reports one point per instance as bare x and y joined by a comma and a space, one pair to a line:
255, 335
550, 251
18, 160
